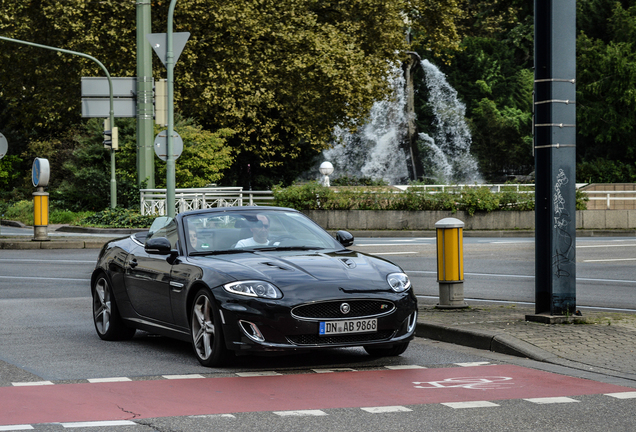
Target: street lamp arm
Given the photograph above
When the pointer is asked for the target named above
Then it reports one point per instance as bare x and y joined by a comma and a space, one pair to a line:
113, 185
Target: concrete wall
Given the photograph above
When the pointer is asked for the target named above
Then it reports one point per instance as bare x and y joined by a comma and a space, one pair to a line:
425, 220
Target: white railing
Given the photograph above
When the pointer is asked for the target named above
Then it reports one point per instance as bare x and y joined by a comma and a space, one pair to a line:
609, 196
153, 201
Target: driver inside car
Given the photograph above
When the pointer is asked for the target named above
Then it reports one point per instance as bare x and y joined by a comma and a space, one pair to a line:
260, 232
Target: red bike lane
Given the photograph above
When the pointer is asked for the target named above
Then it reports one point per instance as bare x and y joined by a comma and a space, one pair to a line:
205, 396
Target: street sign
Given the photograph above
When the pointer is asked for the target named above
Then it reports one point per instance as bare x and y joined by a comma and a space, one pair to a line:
4, 146
159, 43
98, 87
100, 107
161, 145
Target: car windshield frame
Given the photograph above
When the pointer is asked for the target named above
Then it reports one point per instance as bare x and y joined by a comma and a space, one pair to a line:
237, 231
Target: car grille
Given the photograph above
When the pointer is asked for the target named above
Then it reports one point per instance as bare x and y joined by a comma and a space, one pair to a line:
331, 310
309, 339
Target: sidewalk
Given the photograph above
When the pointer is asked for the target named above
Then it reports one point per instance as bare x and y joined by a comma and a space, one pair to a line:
602, 342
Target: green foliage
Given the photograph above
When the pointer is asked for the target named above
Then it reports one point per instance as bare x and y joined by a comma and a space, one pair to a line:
118, 218
356, 181
605, 171
21, 211
8, 170
313, 196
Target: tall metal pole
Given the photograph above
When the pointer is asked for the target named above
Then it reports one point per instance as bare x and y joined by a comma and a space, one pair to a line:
113, 181
555, 156
145, 123
170, 162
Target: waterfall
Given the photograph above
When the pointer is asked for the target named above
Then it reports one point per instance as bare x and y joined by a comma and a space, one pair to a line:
379, 148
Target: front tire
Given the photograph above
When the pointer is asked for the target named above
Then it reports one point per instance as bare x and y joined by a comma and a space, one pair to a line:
108, 322
205, 328
395, 350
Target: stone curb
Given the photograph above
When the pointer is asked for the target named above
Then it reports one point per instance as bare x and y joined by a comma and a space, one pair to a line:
485, 340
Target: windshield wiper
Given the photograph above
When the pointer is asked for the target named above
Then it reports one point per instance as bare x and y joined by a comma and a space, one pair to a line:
220, 252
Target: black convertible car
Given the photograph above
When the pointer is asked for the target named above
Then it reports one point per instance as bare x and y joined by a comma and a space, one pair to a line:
240, 280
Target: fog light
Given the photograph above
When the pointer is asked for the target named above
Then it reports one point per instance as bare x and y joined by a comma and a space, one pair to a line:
252, 331
412, 323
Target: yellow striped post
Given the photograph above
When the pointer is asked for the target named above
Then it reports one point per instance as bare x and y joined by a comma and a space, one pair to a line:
450, 263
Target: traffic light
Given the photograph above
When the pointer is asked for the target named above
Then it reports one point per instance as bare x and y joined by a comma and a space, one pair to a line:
111, 136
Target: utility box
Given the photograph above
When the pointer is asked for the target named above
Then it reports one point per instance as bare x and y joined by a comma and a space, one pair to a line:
450, 263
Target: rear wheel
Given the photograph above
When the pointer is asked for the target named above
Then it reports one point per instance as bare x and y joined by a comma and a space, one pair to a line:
395, 350
108, 323
205, 328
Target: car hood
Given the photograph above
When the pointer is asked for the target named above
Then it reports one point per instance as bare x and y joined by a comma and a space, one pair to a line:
350, 271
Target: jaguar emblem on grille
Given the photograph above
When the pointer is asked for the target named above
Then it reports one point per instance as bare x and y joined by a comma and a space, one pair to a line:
345, 308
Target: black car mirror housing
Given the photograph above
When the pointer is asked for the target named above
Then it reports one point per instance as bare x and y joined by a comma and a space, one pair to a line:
159, 246
345, 238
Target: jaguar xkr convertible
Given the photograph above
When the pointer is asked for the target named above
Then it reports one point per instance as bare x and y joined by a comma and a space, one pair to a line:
240, 280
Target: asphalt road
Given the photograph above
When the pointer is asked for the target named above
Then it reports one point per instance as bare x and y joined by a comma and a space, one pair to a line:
503, 269
46, 334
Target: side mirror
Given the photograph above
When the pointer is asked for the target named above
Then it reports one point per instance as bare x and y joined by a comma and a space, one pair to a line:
345, 238
158, 246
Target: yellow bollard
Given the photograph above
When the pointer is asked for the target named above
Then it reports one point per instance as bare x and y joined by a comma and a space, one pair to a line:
450, 263
40, 174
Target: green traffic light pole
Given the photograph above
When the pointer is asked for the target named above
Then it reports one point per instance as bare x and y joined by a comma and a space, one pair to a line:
170, 162
113, 182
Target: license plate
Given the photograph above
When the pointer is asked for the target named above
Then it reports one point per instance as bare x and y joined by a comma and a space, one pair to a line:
345, 327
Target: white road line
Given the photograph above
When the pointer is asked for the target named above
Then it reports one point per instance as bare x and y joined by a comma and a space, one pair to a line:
622, 395
391, 253
44, 278
108, 380
386, 409
31, 383
605, 245
213, 416
334, 370
18, 260
551, 400
188, 376
527, 276
16, 427
257, 374
471, 364
611, 260
391, 244
300, 413
473, 404
403, 367
99, 424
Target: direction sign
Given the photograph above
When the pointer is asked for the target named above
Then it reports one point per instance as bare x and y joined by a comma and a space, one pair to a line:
4, 146
159, 43
98, 87
100, 107
161, 145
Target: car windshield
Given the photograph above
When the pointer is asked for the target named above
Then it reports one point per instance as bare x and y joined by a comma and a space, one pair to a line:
267, 230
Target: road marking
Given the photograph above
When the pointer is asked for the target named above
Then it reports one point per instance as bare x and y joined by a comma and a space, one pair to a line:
213, 416
99, 424
391, 253
47, 260
611, 260
31, 383
334, 370
392, 244
605, 245
189, 376
16, 427
404, 367
300, 413
257, 374
471, 364
473, 404
472, 383
44, 278
622, 395
385, 409
106, 380
551, 400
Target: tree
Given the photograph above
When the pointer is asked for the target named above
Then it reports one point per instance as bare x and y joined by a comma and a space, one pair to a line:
281, 74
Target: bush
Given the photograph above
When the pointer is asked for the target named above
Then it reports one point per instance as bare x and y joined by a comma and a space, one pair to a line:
118, 218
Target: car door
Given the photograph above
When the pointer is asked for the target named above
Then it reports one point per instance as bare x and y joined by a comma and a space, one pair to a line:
147, 277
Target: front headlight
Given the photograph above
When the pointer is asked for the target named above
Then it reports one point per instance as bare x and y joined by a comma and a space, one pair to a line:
399, 282
254, 289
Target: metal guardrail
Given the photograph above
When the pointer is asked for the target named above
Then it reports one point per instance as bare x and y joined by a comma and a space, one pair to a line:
153, 201
609, 196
